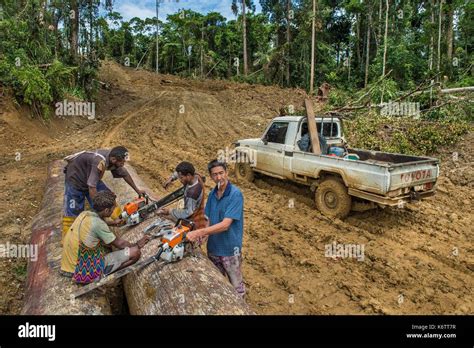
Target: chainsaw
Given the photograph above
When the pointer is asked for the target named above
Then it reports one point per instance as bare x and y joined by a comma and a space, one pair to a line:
140, 208
171, 249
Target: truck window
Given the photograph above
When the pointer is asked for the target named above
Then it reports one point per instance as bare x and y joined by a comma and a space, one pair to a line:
326, 131
277, 132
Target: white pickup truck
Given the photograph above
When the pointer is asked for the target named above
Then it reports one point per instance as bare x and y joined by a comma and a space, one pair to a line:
339, 183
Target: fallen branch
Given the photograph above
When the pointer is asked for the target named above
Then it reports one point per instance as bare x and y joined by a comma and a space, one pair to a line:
417, 91
457, 90
365, 94
103, 84
213, 67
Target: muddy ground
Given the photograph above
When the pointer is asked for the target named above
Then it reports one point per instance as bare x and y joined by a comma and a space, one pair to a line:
417, 259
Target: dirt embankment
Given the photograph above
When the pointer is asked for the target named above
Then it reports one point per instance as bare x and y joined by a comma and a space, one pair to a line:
418, 260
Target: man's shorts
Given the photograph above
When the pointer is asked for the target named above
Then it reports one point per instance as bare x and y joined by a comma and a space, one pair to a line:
74, 200
115, 259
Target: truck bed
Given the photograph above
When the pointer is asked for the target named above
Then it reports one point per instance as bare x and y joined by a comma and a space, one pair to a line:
375, 172
385, 158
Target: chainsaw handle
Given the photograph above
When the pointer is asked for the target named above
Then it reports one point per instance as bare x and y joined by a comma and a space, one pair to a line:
187, 223
144, 195
158, 254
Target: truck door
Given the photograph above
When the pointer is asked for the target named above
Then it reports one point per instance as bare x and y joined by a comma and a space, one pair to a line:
271, 149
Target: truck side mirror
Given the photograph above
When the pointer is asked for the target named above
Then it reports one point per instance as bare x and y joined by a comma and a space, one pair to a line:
265, 140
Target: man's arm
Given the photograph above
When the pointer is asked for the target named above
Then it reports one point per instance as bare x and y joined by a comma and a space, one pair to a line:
120, 243
183, 213
214, 229
172, 178
192, 202
128, 179
94, 177
92, 191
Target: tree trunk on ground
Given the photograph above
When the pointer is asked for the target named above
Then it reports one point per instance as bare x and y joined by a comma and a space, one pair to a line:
48, 292
191, 286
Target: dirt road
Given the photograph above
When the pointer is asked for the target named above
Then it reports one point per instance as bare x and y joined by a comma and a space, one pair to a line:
417, 260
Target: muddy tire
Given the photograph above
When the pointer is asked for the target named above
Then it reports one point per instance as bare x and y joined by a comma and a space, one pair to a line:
244, 172
332, 198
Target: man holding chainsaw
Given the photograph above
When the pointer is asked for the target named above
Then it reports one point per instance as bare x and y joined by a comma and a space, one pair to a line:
84, 172
225, 212
85, 256
194, 196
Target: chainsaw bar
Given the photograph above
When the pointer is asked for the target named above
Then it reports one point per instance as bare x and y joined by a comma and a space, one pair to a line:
119, 274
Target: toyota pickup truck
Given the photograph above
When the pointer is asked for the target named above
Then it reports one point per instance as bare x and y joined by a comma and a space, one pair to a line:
338, 181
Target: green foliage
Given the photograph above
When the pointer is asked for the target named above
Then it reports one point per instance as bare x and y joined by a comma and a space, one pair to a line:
403, 135
338, 98
208, 45
32, 59
387, 88
34, 88
60, 78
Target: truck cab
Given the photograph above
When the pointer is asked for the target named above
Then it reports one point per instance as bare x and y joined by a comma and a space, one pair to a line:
281, 138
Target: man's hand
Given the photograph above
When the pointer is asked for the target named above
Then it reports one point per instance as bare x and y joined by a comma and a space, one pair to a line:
194, 236
164, 211
145, 239
167, 183
116, 222
141, 192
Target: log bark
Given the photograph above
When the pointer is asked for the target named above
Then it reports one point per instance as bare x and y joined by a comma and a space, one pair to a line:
191, 286
47, 292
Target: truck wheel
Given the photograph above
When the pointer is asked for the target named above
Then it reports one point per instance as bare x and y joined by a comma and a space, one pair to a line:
243, 171
332, 198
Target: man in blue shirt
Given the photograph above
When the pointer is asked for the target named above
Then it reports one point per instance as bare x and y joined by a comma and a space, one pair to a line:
225, 213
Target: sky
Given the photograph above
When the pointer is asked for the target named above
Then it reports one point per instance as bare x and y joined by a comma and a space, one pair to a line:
147, 8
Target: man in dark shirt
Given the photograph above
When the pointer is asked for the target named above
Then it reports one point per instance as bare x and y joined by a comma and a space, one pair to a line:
194, 195
84, 171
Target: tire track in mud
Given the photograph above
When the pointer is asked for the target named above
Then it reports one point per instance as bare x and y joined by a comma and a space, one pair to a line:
391, 244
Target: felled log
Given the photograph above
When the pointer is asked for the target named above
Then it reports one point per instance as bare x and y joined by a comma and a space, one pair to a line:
47, 292
191, 286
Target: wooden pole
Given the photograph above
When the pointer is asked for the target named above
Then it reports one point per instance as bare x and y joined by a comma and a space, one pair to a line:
313, 130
